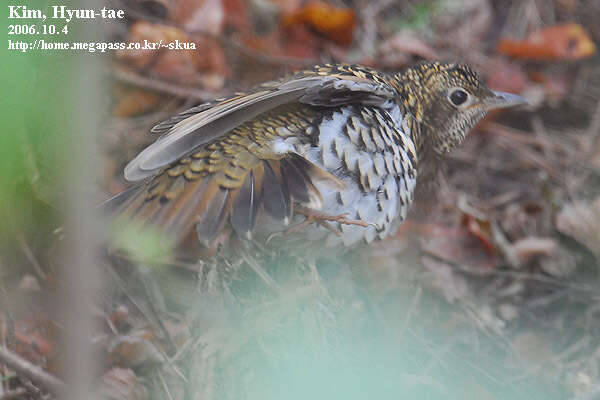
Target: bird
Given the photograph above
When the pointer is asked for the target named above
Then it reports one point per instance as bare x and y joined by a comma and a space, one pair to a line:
330, 154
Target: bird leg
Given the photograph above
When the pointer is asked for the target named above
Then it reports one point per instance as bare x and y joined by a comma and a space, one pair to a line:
313, 216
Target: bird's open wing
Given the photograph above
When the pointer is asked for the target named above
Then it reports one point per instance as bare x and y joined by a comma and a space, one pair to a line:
224, 162
231, 179
328, 86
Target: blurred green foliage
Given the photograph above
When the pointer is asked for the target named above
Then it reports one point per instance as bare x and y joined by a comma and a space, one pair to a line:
419, 18
36, 123
146, 246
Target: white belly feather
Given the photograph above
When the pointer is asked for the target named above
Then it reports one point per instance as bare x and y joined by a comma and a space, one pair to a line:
366, 148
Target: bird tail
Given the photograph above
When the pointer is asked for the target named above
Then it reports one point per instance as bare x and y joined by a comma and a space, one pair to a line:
178, 207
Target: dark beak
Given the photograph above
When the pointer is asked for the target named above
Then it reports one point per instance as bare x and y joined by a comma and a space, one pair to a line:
503, 100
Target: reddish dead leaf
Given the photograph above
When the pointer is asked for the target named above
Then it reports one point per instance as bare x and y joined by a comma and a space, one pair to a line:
336, 24
561, 42
119, 315
35, 339
135, 102
122, 384
296, 41
134, 350
480, 229
300, 42
460, 247
236, 15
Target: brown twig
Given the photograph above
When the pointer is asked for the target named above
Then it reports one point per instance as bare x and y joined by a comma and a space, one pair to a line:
31, 371
163, 86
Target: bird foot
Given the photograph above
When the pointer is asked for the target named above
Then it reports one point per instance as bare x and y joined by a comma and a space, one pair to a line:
313, 216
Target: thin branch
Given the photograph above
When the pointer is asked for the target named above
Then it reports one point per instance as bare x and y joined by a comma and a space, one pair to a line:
31, 371
163, 86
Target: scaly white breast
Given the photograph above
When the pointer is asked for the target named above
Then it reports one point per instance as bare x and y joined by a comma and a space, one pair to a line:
368, 150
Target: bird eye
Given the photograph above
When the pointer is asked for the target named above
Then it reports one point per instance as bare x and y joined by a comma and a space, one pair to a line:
458, 97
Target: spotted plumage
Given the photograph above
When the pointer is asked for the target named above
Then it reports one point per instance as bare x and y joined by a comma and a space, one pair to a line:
336, 140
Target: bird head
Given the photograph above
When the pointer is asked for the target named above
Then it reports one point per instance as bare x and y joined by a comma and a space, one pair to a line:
447, 100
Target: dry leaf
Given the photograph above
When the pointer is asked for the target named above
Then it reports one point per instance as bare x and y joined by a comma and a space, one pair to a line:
561, 42
480, 229
35, 339
336, 24
236, 15
300, 42
135, 102
459, 246
530, 247
134, 350
119, 315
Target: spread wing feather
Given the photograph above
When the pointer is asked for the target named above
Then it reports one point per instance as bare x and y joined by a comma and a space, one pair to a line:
215, 167
203, 124
166, 125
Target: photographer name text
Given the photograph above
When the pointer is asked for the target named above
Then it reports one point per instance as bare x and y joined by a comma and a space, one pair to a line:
63, 13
